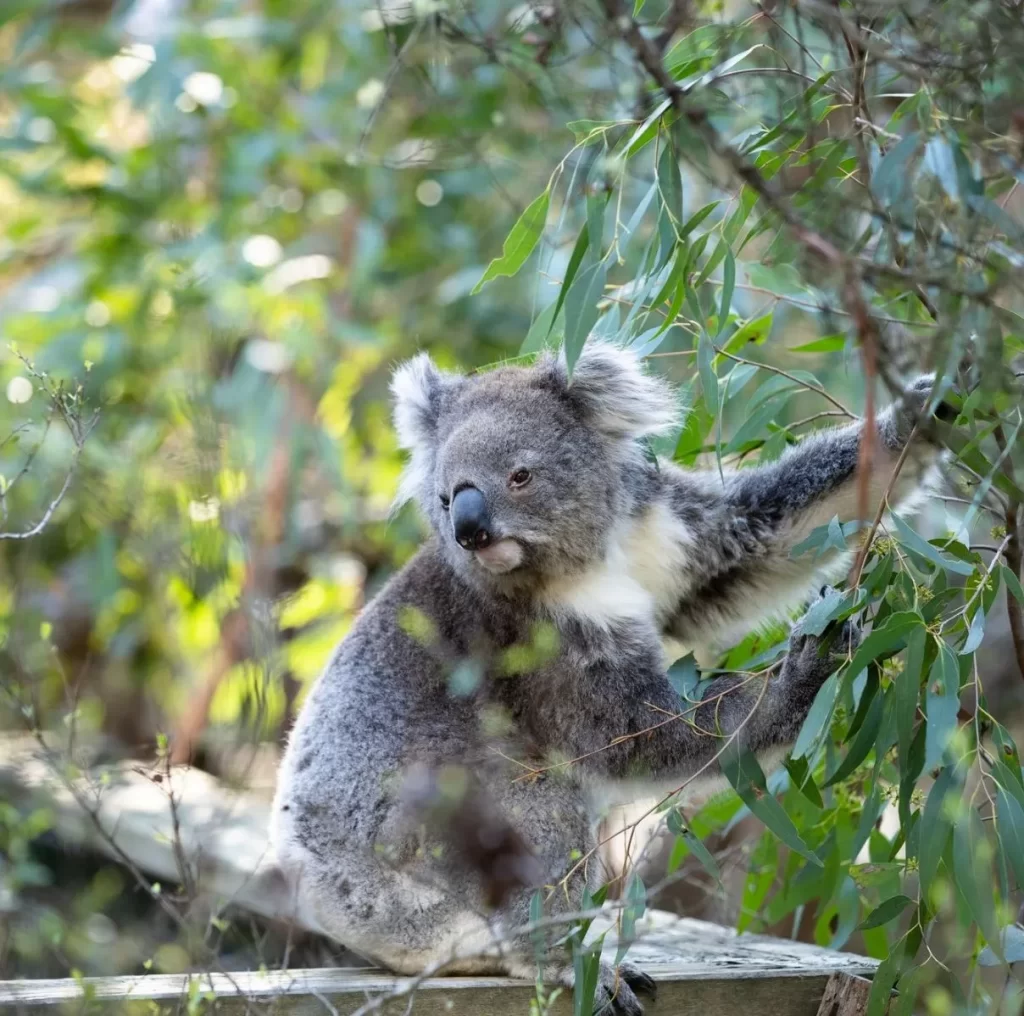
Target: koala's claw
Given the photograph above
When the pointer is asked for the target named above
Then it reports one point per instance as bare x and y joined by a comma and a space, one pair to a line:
916, 396
807, 662
615, 995
638, 980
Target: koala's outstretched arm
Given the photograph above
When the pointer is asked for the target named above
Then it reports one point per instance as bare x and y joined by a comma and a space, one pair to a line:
631, 725
742, 532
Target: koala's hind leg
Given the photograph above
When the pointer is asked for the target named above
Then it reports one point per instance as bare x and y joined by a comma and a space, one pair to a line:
427, 911
405, 921
552, 815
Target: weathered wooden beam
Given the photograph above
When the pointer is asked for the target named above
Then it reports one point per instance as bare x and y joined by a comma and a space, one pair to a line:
701, 969
683, 988
845, 995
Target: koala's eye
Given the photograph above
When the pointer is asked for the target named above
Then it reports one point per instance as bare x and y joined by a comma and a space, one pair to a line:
445, 501
520, 478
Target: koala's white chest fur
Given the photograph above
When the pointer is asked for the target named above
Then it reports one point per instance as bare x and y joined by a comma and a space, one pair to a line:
642, 576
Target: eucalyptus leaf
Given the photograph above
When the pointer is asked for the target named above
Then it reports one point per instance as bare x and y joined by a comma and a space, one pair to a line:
885, 912
520, 242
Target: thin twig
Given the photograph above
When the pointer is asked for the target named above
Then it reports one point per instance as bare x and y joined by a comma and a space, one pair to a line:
803, 384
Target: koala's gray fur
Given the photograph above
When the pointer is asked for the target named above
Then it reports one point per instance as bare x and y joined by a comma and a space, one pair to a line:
613, 552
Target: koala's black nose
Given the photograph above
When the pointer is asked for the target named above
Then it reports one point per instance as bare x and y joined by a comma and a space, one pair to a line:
470, 519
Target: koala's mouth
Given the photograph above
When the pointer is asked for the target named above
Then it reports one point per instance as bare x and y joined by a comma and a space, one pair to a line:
500, 557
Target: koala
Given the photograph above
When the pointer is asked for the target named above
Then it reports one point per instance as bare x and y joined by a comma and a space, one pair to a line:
402, 818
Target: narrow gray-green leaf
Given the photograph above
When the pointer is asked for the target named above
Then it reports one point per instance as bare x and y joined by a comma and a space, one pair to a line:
885, 912
975, 633
895, 629
973, 874
935, 827
917, 543
578, 251
520, 241
708, 378
581, 310
728, 285
892, 177
908, 685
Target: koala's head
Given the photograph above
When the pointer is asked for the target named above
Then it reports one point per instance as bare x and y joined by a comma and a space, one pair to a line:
521, 469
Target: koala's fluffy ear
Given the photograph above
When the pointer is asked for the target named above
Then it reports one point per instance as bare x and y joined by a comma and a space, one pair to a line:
615, 394
418, 389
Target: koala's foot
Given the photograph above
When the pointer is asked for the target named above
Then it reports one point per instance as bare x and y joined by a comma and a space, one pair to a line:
617, 988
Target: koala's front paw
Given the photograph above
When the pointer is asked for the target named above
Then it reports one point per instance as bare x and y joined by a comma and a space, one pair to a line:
812, 658
913, 405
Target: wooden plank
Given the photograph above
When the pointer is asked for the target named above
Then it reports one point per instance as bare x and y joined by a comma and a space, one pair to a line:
700, 968
845, 995
682, 989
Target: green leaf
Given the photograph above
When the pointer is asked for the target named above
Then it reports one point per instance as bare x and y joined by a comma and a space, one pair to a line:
868, 817
586, 961
825, 610
741, 769
708, 378
829, 344
892, 177
1012, 583
759, 881
676, 275
940, 162
862, 743
537, 337
537, 934
975, 633
817, 718
520, 242
894, 967
1010, 824
678, 827
1004, 222
972, 869
696, 219
973, 458
648, 130
915, 542
800, 774
684, 677
670, 188
635, 905
728, 285
942, 704
885, 912
891, 633
754, 330
717, 256
581, 310
908, 686
578, 250
936, 827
